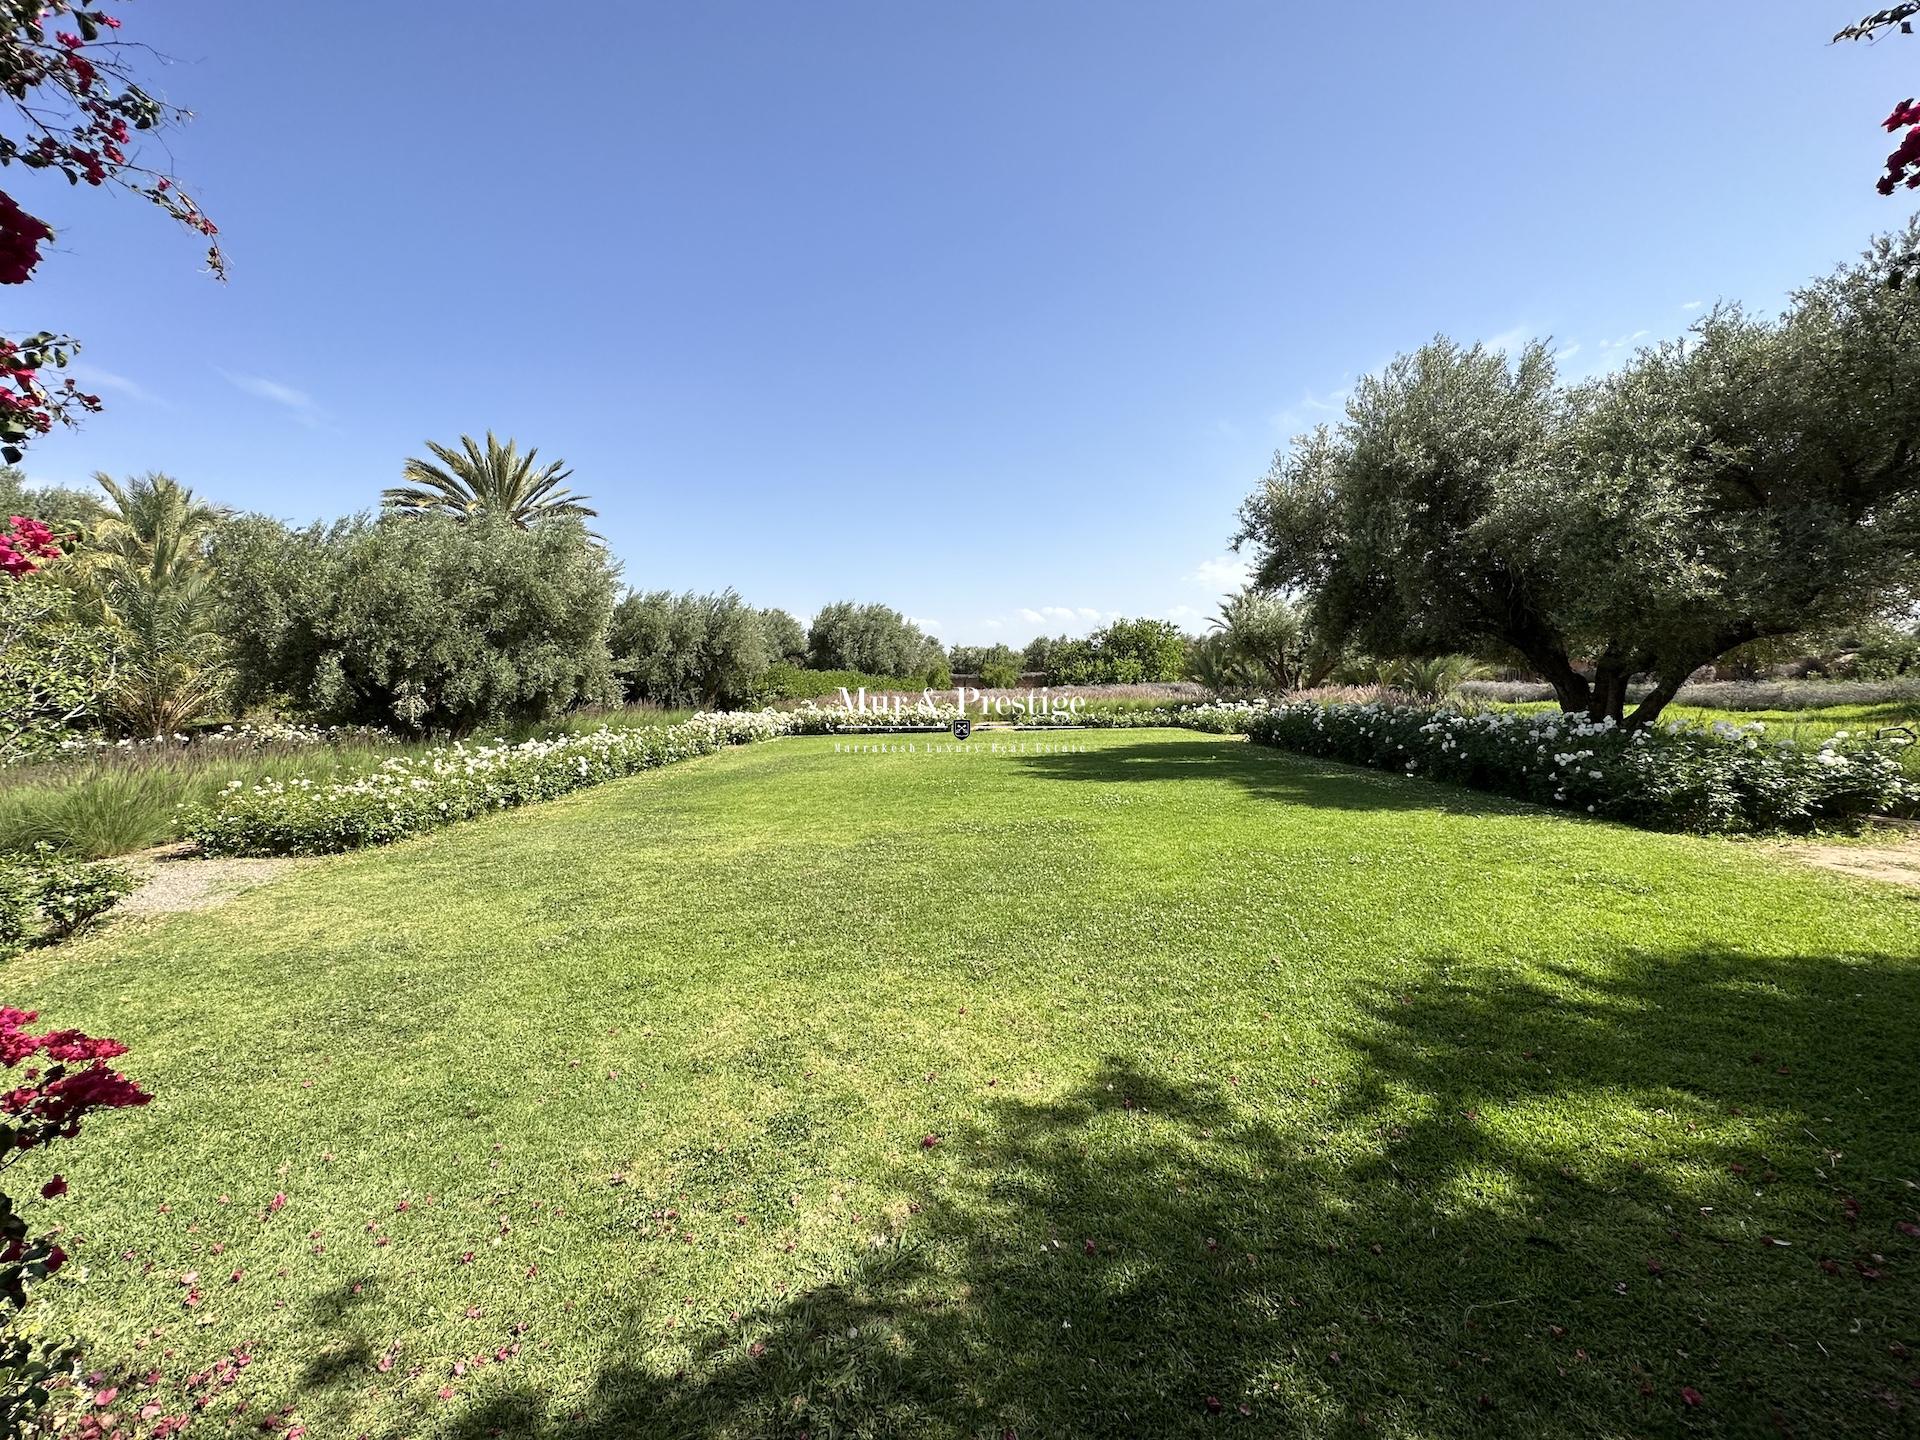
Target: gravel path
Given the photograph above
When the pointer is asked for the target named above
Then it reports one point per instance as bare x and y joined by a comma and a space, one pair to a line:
171, 880
1897, 862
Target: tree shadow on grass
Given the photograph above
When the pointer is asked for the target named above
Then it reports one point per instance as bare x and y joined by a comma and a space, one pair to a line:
1264, 772
1539, 1202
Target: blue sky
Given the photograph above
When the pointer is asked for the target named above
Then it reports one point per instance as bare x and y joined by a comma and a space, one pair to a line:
992, 311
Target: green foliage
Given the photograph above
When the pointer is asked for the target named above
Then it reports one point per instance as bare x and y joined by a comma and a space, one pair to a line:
1215, 661
471, 483
794, 682
1759, 479
786, 638
1437, 677
1270, 641
427, 623
1151, 651
142, 572
1879, 650
997, 666
113, 799
874, 640
416, 793
96, 811
56, 670
708, 651
66, 509
46, 896
1126, 652
1710, 778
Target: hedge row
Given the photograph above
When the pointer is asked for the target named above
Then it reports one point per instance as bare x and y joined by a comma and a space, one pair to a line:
410, 794
1715, 778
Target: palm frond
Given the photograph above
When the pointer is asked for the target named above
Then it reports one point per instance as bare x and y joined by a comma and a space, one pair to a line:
470, 482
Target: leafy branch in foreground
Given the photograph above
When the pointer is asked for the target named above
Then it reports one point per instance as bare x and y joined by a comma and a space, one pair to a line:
75, 111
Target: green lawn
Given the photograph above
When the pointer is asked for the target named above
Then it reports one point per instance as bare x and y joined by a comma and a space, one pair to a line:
1360, 1105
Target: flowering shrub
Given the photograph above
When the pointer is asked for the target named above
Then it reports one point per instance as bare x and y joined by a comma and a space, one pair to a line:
1215, 717
1677, 776
1725, 694
24, 544
410, 794
51, 896
67, 1081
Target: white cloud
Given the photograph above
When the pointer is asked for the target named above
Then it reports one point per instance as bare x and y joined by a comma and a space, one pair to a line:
301, 405
1510, 342
1693, 305
1312, 409
1566, 353
1223, 573
927, 625
1183, 612
1625, 342
1053, 619
92, 377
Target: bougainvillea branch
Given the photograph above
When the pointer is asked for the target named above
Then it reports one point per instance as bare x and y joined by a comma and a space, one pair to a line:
1872, 27
24, 545
1903, 165
76, 111
66, 1079
30, 403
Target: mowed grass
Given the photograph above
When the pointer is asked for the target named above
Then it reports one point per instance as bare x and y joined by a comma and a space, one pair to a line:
1120, 1084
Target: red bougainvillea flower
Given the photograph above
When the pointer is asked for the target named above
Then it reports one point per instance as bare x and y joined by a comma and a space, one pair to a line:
25, 543
20, 237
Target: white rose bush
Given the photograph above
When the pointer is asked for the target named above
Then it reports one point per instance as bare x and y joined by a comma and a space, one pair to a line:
410, 794
1713, 778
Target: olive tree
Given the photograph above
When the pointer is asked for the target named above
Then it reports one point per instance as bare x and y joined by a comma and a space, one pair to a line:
705, 650
1759, 478
873, 640
1415, 526
428, 623
786, 637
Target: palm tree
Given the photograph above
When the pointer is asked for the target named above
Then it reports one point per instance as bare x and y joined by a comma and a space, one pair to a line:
142, 571
499, 480
1434, 677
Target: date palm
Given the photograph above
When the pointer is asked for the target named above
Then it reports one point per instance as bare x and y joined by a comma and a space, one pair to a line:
469, 482
142, 571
